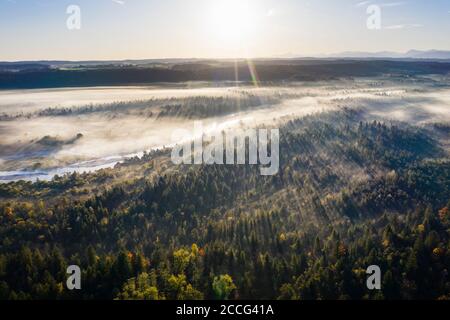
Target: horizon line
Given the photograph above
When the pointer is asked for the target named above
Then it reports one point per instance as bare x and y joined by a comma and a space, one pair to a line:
286, 56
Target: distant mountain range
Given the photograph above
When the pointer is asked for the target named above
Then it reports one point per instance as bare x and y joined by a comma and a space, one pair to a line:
411, 54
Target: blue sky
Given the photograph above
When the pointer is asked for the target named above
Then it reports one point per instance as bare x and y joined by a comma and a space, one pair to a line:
133, 29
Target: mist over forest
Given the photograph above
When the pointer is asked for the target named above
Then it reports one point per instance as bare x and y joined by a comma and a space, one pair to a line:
86, 178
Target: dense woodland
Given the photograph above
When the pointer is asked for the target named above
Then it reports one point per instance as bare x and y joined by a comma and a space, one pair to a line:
117, 73
349, 193
196, 107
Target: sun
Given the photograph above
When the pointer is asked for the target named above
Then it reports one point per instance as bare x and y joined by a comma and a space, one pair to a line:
232, 21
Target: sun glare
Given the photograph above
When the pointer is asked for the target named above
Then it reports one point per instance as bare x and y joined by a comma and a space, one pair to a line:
232, 21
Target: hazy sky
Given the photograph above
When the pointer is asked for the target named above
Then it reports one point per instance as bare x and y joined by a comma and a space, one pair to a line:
133, 29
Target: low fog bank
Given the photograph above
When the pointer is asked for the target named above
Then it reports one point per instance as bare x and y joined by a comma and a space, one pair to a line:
39, 146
